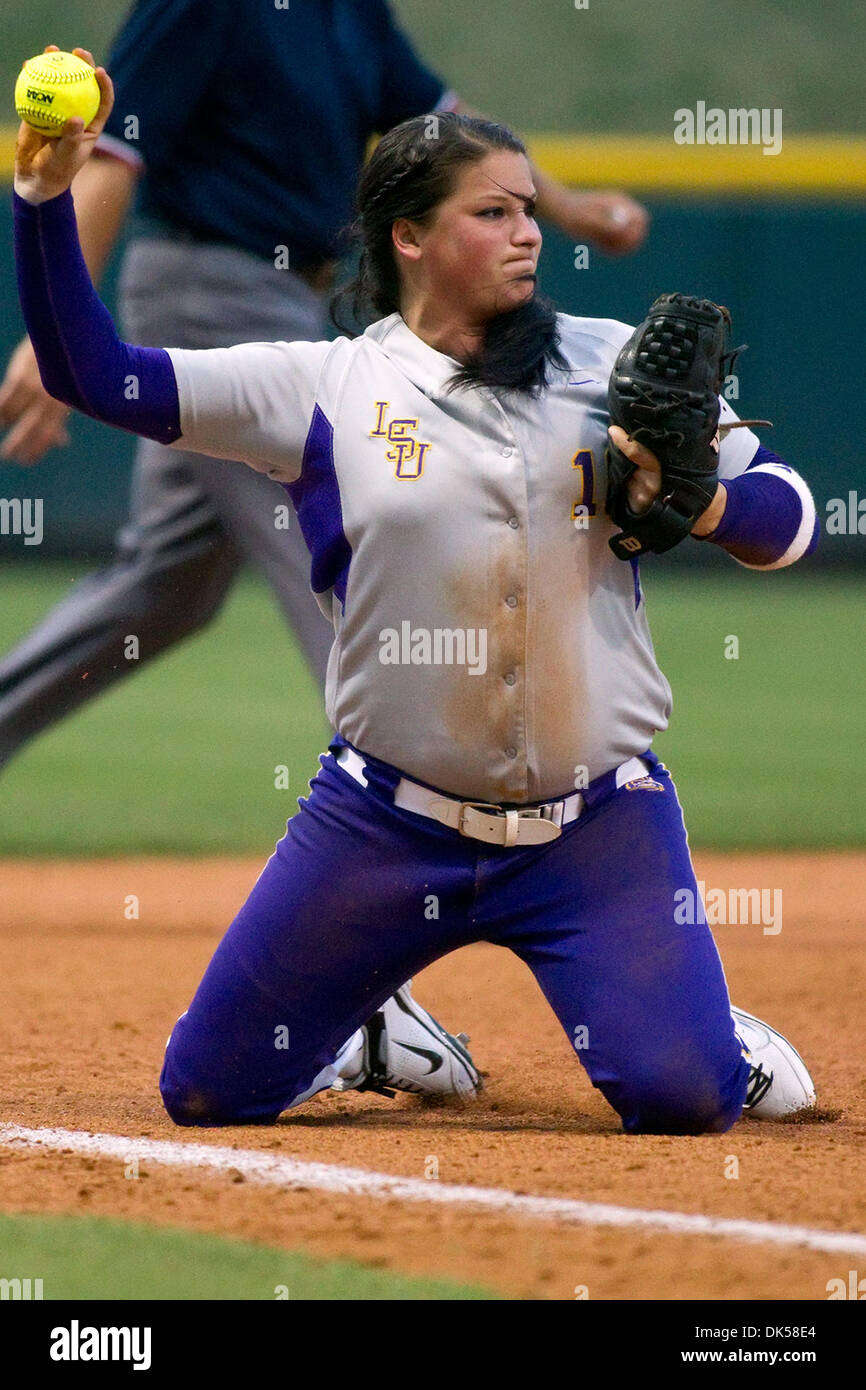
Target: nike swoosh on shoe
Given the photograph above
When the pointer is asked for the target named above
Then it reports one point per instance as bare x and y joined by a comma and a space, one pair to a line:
434, 1058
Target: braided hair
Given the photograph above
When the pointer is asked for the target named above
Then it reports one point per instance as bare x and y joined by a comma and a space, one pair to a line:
412, 170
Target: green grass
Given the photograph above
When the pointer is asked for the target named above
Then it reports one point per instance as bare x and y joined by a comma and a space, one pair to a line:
181, 757
765, 749
95, 1258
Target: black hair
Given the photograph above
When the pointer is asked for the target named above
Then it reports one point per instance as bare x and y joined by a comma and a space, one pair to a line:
411, 171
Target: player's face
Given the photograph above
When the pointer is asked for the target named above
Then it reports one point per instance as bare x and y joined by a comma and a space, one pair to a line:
480, 251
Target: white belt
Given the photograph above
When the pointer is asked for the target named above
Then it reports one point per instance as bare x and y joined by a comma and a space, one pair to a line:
484, 820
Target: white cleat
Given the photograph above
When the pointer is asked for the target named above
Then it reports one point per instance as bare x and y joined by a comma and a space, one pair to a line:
779, 1083
403, 1048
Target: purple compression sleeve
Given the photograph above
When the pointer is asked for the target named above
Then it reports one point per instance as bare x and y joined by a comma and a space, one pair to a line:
762, 515
82, 360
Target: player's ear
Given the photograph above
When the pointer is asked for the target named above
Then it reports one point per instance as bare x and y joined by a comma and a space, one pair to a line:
404, 234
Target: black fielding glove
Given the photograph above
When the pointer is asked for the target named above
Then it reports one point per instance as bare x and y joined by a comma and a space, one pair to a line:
664, 392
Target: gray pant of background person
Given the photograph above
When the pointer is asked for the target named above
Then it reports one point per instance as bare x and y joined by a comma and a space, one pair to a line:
194, 519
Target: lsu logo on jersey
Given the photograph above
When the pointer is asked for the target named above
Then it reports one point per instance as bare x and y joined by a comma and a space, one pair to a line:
646, 784
407, 453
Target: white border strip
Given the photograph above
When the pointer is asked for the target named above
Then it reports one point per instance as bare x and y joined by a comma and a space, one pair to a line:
276, 1171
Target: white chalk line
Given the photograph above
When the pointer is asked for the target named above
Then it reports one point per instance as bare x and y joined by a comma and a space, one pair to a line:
298, 1175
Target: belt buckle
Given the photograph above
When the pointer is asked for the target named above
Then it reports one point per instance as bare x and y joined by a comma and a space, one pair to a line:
490, 806
550, 811
512, 816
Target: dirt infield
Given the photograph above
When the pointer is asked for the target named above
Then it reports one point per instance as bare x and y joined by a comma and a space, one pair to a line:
89, 992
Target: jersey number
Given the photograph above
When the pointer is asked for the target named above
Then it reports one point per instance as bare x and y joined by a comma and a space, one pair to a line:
585, 465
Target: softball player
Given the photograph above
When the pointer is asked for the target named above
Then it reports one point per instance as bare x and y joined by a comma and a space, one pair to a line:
200, 271
492, 678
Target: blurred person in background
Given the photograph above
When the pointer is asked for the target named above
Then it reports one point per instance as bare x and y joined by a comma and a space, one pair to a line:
236, 248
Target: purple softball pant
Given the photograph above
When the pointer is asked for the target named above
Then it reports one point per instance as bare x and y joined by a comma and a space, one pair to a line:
360, 895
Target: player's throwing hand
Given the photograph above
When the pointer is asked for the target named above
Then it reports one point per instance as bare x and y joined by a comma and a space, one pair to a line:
45, 167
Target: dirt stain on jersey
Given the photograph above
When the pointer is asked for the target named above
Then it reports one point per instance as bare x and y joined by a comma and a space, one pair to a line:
486, 715
558, 609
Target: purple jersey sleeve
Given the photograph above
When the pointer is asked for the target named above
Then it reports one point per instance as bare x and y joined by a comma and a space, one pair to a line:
82, 360
769, 518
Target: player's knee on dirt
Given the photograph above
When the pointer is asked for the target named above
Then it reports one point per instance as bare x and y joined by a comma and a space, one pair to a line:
187, 1102
199, 1104
203, 1085
189, 1107
698, 1118
192, 1098
700, 1107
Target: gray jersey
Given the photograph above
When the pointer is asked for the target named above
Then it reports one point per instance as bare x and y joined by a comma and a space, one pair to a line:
488, 642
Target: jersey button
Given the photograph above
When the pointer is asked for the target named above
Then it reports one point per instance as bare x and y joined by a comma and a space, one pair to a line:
513, 523
510, 752
510, 678
511, 601
507, 452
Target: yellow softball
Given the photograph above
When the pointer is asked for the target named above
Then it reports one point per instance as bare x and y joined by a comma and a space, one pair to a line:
54, 86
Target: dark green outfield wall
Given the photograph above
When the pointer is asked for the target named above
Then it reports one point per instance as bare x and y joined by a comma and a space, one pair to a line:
792, 274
